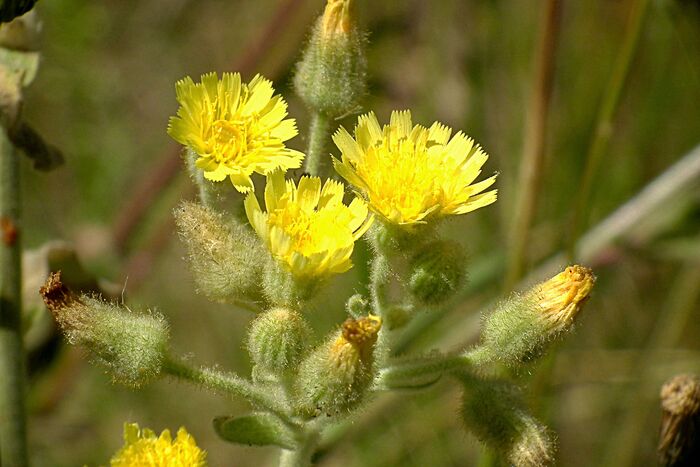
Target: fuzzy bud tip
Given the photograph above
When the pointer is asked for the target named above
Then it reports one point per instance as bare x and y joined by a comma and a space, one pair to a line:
55, 293
337, 18
362, 332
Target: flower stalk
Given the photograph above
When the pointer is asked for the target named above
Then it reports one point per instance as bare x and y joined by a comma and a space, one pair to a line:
229, 384
319, 131
13, 442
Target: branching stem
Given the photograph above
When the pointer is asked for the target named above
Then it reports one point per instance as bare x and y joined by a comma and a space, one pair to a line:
300, 457
230, 384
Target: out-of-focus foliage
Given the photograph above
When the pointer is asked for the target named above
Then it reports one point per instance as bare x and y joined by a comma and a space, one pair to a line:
104, 92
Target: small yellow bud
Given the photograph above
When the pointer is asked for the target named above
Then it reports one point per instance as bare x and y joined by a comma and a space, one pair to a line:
357, 339
336, 18
561, 297
334, 378
522, 326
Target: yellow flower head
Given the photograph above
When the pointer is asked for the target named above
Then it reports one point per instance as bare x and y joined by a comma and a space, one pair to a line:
410, 174
561, 298
143, 448
306, 227
235, 128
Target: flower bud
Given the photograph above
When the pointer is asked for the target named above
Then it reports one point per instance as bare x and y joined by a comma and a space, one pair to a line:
437, 271
334, 378
495, 413
131, 345
330, 78
277, 340
225, 257
679, 440
522, 326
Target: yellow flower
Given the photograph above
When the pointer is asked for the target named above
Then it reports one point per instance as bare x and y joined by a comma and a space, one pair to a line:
234, 128
336, 18
308, 228
143, 448
410, 174
561, 298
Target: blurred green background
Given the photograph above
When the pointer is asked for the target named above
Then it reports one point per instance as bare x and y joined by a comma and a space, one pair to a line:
106, 89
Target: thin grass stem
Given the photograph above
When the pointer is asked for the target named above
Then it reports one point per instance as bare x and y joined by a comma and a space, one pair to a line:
604, 120
530, 178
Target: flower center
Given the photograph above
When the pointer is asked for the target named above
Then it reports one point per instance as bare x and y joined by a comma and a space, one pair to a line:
228, 140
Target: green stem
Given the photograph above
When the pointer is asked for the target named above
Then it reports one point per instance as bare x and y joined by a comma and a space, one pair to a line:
300, 457
207, 190
13, 436
230, 384
421, 372
534, 143
318, 135
379, 283
604, 121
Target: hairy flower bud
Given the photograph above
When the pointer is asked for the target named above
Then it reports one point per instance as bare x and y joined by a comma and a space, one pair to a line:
330, 78
494, 412
437, 271
335, 376
131, 345
225, 257
277, 340
522, 326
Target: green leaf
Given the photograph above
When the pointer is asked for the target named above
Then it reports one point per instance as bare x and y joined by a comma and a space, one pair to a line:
256, 429
17, 70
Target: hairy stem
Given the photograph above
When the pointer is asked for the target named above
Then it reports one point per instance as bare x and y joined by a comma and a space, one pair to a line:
229, 384
13, 442
379, 283
420, 372
300, 457
319, 132
206, 189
